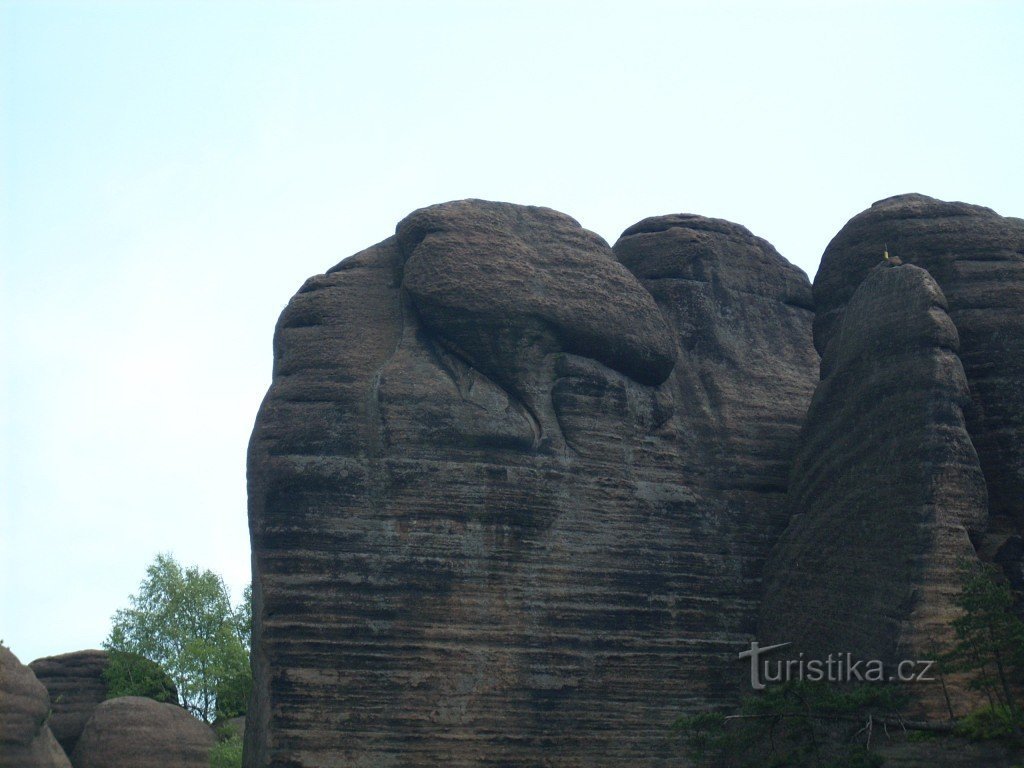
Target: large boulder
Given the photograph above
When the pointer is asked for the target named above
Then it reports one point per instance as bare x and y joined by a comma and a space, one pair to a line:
886, 489
25, 737
136, 732
511, 491
76, 685
977, 258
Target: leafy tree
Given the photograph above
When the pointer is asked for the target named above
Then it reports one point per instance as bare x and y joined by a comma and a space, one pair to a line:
183, 620
129, 674
990, 648
234, 686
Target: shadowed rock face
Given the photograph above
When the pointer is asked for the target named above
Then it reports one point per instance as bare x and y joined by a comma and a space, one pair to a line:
76, 687
135, 732
75, 684
886, 487
25, 737
511, 492
977, 258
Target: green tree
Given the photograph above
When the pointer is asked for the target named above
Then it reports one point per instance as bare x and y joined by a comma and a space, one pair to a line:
234, 686
183, 620
129, 674
989, 645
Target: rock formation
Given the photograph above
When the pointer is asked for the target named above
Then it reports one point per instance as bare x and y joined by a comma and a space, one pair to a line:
76, 687
136, 732
511, 491
519, 498
25, 737
977, 258
75, 684
886, 487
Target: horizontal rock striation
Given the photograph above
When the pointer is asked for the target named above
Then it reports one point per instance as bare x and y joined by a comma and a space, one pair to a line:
136, 732
25, 737
977, 258
511, 491
744, 370
76, 686
886, 488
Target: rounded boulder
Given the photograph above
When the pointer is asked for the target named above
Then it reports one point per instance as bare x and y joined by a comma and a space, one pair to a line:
135, 732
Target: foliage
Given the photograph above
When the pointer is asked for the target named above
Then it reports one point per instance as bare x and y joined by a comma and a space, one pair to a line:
235, 685
989, 723
129, 674
990, 642
814, 724
795, 724
183, 620
227, 753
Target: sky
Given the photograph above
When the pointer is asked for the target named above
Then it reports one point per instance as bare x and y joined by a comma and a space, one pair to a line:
170, 173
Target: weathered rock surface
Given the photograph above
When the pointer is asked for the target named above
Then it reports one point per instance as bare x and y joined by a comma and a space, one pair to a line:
744, 373
25, 737
76, 687
511, 493
977, 258
136, 732
75, 684
886, 487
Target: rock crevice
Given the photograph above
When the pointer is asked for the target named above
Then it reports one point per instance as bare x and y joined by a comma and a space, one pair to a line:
510, 495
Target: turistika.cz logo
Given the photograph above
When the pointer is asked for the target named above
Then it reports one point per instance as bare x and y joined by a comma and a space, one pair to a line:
835, 668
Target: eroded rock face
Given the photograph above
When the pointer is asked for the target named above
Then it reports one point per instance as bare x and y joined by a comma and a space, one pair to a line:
25, 737
135, 732
977, 258
511, 492
75, 684
886, 487
76, 687
744, 372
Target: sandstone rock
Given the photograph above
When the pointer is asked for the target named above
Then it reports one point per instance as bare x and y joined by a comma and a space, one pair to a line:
511, 492
977, 258
25, 737
886, 487
744, 370
488, 277
136, 732
76, 686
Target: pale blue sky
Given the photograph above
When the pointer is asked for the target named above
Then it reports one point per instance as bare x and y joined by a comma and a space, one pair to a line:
172, 172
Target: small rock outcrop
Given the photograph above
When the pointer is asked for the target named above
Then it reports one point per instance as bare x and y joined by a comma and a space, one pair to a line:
76, 687
977, 258
25, 737
511, 491
886, 487
136, 732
